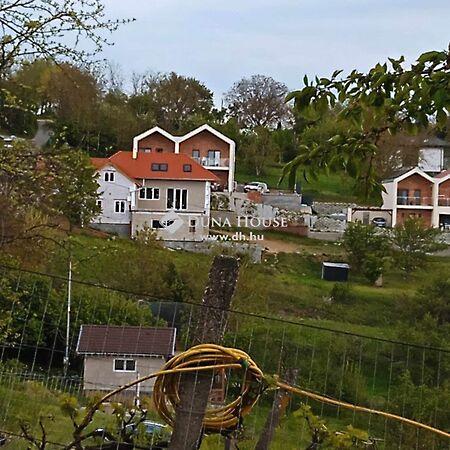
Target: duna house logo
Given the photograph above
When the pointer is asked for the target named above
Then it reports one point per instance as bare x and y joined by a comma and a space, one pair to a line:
171, 222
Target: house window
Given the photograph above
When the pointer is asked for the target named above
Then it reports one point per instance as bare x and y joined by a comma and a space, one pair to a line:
147, 150
159, 167
124, 365
177, 198
119, 206
196, 154
156, 224
109, 176
149, 193
213, 158
402, 197
159, 150
417, 197
187, 168
192, 224
100, 204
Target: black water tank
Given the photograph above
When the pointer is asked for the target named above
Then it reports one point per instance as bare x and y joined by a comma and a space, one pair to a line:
335, 271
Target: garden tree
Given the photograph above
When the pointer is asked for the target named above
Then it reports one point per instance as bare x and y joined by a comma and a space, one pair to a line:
388, 98
172, 101
53, 29
258, 149
413, 240
367, 249
258, 101
285, 142
38, 187
58, 30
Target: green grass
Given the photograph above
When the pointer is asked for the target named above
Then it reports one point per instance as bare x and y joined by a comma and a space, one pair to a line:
332, 187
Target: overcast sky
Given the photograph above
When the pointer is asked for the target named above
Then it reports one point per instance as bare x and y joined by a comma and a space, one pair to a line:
220, 41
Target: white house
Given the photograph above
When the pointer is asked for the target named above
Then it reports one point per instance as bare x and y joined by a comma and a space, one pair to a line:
167, 192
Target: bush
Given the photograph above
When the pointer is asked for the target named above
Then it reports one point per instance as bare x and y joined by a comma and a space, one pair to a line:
413, 240
367, 249
342, 293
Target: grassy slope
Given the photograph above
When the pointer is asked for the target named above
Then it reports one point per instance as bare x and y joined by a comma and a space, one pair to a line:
288, 285
332, 187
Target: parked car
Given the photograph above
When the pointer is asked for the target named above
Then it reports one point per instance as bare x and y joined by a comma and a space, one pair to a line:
256, 186
379, 222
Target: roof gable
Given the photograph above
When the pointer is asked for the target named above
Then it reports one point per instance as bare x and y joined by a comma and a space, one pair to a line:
407, 173
210, 129
126, 340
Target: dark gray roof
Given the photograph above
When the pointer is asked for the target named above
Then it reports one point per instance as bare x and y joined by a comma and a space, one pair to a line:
435, 142
397, 173
126, 340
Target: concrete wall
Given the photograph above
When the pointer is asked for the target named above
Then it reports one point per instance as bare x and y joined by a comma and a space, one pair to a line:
119, 189
121, 229
198, 204
180, 230
197, 195
100, 376
253, 251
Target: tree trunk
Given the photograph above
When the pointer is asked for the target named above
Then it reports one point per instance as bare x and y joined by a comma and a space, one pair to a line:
277, 411
209, 328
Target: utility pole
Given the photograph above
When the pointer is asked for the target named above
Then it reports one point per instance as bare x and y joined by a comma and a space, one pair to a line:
69, 301
211, 322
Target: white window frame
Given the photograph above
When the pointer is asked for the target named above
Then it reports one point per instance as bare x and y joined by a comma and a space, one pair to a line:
180, 199
124, 206
109, 176
125, 360
100, 203
148, 193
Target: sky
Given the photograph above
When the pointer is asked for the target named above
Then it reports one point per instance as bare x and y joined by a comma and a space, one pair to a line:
219, 42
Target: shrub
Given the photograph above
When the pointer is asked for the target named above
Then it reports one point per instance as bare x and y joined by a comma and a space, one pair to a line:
342, 293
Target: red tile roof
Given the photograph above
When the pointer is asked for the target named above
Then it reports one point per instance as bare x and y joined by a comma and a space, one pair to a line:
141, 167
126, 340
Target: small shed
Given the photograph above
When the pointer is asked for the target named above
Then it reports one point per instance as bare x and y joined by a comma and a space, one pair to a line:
332, 271
115, 355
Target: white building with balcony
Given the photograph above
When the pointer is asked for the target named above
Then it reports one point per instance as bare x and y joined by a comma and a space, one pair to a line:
207, 146
414, 193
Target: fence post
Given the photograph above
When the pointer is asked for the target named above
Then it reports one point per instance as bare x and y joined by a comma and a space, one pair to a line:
210, 327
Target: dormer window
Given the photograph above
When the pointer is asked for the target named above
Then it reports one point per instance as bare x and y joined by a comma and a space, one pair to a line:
109, 176
159, 167
187, 168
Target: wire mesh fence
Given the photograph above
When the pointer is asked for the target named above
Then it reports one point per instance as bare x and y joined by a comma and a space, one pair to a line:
402, 378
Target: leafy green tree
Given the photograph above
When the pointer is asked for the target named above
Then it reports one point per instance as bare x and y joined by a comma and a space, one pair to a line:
57, 30
38, 187
172, 101
367, 249
388, 98
413, 240
258, 150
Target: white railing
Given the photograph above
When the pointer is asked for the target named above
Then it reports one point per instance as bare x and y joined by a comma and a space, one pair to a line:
213, 162
415, 201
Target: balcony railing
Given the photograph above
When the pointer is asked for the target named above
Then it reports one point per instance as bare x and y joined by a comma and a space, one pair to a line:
415, 201
213, 162
444, 201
